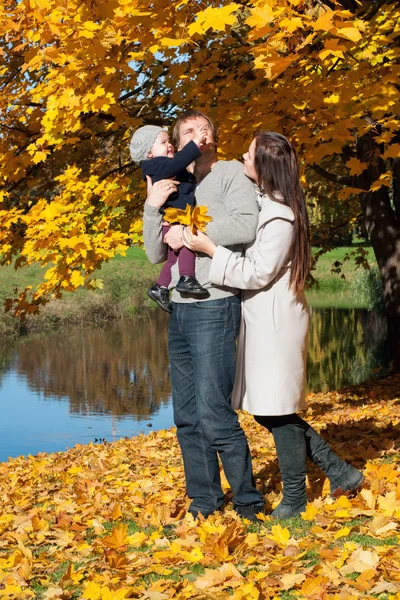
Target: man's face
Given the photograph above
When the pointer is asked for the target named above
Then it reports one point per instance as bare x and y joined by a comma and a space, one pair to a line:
188, 130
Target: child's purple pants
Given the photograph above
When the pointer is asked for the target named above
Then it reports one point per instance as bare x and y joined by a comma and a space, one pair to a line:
186, 260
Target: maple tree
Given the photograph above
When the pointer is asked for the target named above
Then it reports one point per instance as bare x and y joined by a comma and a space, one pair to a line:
107, 521
77, 77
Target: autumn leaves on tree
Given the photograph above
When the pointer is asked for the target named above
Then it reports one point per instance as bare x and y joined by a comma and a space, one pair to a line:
77, 77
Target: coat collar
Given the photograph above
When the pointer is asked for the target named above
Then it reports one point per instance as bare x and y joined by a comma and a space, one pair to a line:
271, 209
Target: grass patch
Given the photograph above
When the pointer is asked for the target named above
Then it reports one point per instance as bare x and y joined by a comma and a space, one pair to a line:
126, 280
335, 290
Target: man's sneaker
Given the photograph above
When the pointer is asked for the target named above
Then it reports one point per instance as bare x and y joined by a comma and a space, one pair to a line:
190, 285
160, 295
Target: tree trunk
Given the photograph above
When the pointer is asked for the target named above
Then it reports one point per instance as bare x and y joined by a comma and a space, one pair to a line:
384, 231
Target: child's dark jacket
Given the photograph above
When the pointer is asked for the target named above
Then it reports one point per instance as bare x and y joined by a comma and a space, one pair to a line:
162, 167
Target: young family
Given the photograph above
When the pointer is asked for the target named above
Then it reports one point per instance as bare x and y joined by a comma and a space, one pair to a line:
251, 267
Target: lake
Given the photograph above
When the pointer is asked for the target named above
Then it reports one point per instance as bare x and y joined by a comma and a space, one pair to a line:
84, 385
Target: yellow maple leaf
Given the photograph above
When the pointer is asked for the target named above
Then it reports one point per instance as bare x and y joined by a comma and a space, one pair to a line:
260, 16
332, 99
213, 577
388, 504
39, 156
248, 591
324, 22
342, 532
279, 534
349, 33
118, 537
214, 18
177, 215
393, 151
309, 513
193, 217
77, 279
313, 586
291, 579
360, 561
356, 166
199, 218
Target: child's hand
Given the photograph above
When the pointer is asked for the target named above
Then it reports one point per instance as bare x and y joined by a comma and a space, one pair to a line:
198, 241
200, 138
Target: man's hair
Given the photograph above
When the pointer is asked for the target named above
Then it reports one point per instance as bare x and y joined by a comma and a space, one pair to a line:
191, 114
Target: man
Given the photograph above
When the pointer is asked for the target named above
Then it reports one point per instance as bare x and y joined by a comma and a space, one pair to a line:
202, 333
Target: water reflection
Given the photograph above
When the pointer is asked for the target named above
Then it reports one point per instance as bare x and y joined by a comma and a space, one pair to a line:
121, 369
80, 385
345, 347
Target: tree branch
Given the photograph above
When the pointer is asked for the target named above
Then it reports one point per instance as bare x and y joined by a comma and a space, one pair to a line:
374, 9
117, 170
331, 176
396, 187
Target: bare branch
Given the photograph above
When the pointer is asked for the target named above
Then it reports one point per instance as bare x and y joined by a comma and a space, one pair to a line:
331, 176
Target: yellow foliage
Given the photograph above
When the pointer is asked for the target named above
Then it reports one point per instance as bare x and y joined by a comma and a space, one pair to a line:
75, 523
78, 77
193, 217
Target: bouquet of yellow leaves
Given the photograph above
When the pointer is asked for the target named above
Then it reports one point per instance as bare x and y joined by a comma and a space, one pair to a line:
194, 217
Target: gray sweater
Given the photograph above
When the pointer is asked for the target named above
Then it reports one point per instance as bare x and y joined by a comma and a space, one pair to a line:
231, 201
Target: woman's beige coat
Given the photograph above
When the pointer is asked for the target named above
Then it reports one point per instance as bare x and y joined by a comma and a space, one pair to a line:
272, 348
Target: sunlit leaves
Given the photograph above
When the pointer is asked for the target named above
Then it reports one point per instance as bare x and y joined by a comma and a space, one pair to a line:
193, 217
89, 522
78, 77
213, 18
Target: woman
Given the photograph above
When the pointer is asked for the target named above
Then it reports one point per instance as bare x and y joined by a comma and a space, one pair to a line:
271, 358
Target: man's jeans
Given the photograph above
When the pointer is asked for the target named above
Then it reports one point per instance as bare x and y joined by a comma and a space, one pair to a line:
202, 346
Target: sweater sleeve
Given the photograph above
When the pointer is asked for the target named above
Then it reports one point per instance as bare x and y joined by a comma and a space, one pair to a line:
239, 227
155, 248
270, 255
163, 167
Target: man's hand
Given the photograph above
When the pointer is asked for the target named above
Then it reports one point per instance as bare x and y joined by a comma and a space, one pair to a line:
158, 192
174, 237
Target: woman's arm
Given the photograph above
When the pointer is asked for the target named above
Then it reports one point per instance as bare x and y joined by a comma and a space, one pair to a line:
270, 255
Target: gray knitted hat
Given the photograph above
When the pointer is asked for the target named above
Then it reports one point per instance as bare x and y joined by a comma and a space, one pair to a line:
142, 140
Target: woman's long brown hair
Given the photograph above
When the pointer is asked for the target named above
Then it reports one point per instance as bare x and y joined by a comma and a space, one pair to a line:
277, 169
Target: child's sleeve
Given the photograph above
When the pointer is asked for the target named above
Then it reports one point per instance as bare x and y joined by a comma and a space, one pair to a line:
163, 167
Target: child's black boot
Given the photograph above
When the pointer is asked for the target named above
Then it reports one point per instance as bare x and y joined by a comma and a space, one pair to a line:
160, 295
188, 284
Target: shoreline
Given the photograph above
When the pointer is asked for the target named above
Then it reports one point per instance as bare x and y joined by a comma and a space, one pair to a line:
124, 294
108, 520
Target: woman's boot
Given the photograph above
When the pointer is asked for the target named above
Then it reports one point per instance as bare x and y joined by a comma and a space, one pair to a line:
291, 449
344, 478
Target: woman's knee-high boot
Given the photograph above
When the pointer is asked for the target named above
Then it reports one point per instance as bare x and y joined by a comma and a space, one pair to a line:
291, 449
344, 478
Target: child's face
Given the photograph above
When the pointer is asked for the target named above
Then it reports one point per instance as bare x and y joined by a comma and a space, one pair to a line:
162, 146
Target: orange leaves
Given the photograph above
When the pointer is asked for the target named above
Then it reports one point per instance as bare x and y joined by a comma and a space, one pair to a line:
193, 217
280, 535
77, 78
76, 522
117, 539
213, 18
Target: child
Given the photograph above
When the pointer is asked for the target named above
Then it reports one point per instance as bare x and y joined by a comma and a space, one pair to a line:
151, 149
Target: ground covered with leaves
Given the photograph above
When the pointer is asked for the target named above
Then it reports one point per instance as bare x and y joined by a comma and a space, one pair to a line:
107, 522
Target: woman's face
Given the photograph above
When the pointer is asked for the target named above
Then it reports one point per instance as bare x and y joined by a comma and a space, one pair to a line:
248, 158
